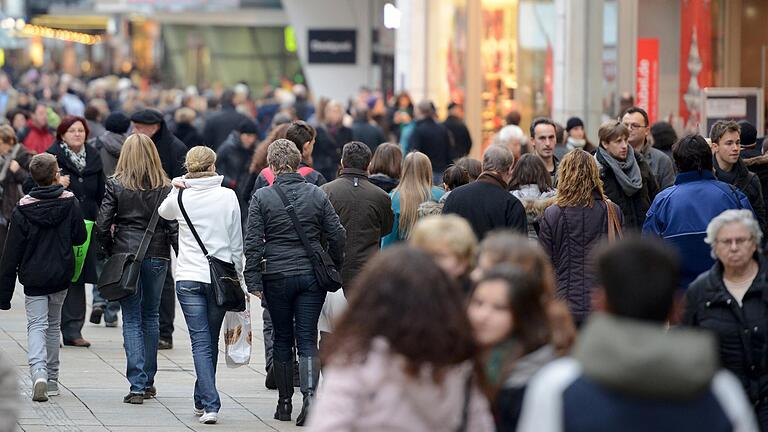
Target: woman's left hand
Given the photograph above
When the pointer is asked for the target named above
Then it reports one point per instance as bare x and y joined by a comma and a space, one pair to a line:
179, 184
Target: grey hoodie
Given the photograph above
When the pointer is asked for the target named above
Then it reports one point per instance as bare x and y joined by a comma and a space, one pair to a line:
109, 145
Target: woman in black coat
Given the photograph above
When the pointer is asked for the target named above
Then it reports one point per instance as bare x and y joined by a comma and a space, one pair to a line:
731, 300
82, 174
627, 179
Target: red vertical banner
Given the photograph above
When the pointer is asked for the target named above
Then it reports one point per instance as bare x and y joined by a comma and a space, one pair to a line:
695, 57
647, 74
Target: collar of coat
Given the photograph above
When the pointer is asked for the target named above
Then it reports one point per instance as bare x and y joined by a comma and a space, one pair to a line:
717, 292
353, 172
493, 177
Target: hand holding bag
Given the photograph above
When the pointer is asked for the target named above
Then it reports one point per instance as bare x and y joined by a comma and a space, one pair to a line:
224, 279
328, 277
120, 276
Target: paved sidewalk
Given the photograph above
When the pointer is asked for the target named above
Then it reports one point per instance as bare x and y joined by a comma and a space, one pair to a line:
93, 384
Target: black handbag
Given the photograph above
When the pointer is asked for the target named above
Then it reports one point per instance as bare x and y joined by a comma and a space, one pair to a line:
120, 276
224, 279
326, 273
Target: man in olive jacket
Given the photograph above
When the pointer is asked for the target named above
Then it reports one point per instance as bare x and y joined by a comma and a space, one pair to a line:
364, 209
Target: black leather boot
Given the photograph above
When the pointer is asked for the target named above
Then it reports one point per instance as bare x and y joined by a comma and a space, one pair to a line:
283, 372
309, 375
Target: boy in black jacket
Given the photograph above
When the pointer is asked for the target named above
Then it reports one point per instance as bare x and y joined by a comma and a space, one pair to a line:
44, 227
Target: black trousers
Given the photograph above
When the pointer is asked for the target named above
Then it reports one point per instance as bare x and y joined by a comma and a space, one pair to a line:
73, 313
167, 307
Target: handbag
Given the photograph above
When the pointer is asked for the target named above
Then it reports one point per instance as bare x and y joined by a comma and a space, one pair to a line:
120, 276
224, 278
614, 226
326, 273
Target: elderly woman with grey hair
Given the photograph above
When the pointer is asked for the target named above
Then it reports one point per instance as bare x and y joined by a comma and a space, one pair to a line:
278, 268
731, 300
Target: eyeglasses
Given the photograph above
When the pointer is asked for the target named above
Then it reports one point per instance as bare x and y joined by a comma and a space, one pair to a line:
633, 126
738, 241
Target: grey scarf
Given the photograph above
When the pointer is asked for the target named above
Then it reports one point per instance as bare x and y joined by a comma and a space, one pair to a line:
77, 159
627, 172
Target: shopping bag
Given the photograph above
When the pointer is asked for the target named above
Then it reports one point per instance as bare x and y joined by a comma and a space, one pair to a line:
238, 336
333, 308
82, 250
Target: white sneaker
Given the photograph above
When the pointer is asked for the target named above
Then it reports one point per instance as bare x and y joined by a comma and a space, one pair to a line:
40, 390
209, 418
197, 411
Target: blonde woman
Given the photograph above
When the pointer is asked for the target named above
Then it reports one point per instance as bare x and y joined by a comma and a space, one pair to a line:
214, 212
131, 198
572, 227
451, 242
415, 187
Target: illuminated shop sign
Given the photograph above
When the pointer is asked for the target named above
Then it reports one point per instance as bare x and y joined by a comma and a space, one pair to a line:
332, 46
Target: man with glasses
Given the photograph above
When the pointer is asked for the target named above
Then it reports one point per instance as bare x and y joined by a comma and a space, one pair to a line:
636, 120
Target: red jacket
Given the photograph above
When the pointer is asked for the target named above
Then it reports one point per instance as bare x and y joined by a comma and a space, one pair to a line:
36, 139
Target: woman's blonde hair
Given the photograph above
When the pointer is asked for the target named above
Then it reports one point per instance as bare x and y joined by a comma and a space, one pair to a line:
139, 166
415, 187
445, 231
577, 180
199, 161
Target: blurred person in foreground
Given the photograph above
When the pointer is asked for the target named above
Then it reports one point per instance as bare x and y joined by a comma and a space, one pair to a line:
629, 372
451, 242
401, 362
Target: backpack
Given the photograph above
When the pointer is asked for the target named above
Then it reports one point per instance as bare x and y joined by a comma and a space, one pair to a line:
269, 176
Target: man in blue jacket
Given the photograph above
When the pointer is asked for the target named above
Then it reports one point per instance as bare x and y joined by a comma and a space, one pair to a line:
680, 214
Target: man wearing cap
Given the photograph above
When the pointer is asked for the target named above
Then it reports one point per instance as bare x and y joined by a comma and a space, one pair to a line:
172, 153
234, 157
462, 141
636, 120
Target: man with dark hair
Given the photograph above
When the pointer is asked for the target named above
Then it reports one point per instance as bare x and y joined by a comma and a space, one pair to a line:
680, 213
628, 372
486, 203
636, 120
234, 158
364, 209
730, 168
432, 139
220, 125
462, 141
363, 130
544, 139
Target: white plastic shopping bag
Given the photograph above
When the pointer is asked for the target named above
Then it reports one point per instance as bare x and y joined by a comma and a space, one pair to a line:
333, 308
238, 336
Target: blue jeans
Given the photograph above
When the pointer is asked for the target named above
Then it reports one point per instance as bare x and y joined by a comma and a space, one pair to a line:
141, 325
204, 318
294, 302
111, 308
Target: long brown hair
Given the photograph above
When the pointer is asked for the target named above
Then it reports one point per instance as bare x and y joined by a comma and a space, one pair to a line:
577, 180
404, 297
530, 169
387, 160
259, 159
415, 187
139, 166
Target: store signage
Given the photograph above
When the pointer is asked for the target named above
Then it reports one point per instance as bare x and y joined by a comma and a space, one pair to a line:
695, 58
332, 46
648, 77
721, 103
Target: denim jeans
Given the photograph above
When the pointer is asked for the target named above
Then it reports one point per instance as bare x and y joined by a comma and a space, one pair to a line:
294, 303
111, 308
141, 325
204, 318
43, 326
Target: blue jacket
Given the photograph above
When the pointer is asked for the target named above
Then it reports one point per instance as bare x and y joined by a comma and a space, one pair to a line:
680, 215
394, 236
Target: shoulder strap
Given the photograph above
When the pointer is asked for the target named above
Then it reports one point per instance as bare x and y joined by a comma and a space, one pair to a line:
150, 232
189, 224
305, 171
735, 192
296, 224
269, 176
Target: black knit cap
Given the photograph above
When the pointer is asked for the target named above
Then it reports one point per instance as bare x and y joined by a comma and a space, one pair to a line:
573, 122
748, 134
117, 122
247, 127
147, 116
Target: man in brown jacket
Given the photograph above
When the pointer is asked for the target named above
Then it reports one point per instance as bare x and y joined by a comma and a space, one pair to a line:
364, 209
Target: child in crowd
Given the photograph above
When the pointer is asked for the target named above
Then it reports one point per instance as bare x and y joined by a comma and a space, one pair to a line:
44, 227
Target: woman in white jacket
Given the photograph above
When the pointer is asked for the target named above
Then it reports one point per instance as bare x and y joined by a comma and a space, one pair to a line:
215, 213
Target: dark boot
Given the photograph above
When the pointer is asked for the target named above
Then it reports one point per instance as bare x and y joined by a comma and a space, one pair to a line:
309, 375
270, 381
283, 372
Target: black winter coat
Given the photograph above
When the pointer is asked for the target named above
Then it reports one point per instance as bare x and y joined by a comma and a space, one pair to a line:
487, 205
188, 134
749, 183
434, 140
130, 212
233, 161
365, 212
462, 141
635, 207
742, 331
271, 235
326, 155
172, 151
220, 125
368, 134
569, 235
44, 227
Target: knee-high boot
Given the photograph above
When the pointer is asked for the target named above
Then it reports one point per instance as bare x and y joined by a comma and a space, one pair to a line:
309, 375
283, 372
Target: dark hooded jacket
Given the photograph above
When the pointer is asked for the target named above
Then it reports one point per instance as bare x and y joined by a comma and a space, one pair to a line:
232, 161
172, 151
109, 145
44, 227
326, 156
385, 182
220, 125
188, 134
749, 183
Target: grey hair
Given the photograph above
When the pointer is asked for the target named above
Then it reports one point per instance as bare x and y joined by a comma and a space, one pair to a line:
509, 133
498, 159
744, 217
283, 157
